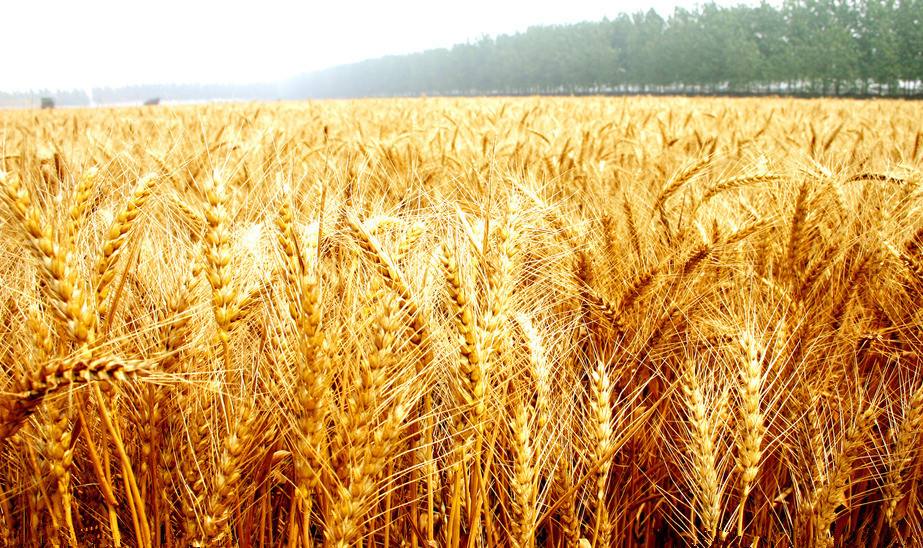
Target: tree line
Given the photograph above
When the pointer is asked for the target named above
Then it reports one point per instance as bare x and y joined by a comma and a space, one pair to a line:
817, 47
801, 47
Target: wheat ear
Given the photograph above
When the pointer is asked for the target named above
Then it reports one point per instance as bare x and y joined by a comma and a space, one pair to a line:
16, 408
601, 438
820, 511
218, 256
903, 454
115, 239
751, 427
706, 493
524, 478
81, 200
365, 452
310, 392
225, 491
70, 299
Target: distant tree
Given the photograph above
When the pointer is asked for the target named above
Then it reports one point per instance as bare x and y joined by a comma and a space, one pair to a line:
909, 28
879, 41
643, 41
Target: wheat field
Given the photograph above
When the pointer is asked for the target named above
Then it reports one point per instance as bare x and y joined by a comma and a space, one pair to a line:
463, 322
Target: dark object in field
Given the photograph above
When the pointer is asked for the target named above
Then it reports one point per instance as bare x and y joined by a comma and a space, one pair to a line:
152, 102
47, 102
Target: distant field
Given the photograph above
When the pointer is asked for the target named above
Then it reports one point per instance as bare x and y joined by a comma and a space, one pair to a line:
463, 322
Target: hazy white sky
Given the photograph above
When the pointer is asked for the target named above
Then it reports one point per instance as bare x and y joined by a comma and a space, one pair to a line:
76, 44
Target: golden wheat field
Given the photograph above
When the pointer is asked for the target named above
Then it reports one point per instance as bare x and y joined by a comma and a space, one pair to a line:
463, 322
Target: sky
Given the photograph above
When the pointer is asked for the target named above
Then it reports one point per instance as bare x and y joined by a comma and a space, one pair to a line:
77, 44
